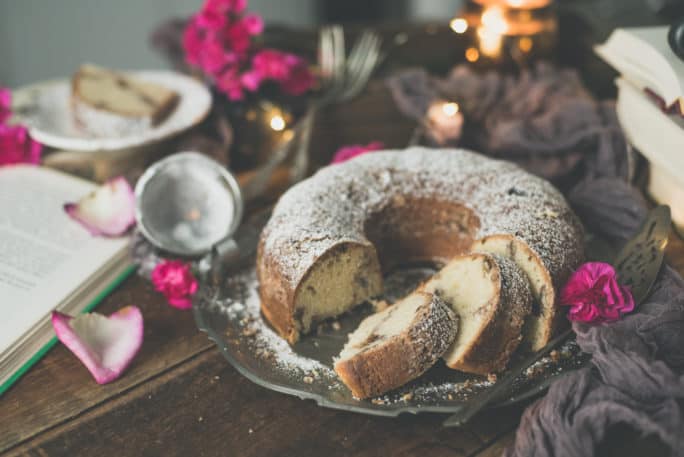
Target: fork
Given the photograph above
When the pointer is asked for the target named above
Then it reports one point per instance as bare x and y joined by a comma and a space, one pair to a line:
342, 79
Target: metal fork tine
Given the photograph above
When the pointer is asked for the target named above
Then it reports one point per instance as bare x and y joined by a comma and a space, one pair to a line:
326, 54
340, 54
369, 62
357, 54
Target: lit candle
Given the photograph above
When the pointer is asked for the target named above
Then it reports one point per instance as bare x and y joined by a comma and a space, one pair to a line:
444, 121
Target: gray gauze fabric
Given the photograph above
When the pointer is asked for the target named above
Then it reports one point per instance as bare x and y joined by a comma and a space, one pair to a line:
545, 120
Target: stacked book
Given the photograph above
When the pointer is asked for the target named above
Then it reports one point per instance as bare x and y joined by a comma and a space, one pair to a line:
650, 107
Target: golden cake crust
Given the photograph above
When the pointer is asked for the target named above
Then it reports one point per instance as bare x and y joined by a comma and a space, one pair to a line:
404, 356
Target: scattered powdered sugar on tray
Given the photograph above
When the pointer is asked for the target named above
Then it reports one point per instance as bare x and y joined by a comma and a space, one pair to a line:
250, 340
243, 307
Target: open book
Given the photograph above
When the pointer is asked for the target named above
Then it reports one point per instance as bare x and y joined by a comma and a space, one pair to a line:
643, 56
47, 262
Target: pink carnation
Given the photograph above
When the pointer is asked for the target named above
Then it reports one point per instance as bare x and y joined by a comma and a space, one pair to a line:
237, 38
5, 104
288, 70
349, 152
211, 18
16, 146
594, 294
192, 43
219, 41
253, 23
300, 80
225, 6
213, 57
230, 84
174, 279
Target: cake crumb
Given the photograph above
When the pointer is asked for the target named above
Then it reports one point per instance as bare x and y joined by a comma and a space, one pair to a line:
491, 377
550, 214
308, 379
249, 331
250, 431
555, 355
217, 377
450, 397
378, 401
336, 326
407, 396
200, 419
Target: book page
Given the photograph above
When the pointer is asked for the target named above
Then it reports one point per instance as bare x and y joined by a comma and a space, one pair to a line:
44, 255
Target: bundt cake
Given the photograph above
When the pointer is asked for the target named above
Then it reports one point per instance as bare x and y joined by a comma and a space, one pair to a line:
396, 345
492, 298
331, 236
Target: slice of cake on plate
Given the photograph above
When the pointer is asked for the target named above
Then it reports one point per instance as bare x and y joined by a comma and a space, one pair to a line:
492, 299
109, 103
396, 345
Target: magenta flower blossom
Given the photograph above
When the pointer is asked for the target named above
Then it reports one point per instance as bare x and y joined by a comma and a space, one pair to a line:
5, 104
174, 279
349, 152
16, 146
594, 295
219, 40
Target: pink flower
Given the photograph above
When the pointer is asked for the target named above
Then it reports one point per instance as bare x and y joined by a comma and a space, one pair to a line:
348, 152
5, 104
230, 84
213, 57
237, 38
225, 6
174, 279
211, 18
106, 345
253, 23
16, 146
272, 64
300, 80
192, 43
288, 70
594, 294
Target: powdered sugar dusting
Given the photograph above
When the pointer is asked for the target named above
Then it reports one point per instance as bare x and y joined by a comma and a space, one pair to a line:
333, 205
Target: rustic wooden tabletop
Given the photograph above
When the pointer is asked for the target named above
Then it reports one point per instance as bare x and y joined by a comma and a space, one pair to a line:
181, 397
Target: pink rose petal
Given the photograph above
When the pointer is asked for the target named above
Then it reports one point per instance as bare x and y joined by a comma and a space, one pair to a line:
108, 211
105, 345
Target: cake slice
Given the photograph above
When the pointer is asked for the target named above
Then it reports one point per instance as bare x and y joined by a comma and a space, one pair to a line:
396, 345
492, 298
546, 317
106, 102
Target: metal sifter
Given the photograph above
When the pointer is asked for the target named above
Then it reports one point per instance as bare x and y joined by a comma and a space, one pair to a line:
190, 205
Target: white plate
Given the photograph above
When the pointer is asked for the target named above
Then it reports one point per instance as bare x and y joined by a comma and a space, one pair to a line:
45, 108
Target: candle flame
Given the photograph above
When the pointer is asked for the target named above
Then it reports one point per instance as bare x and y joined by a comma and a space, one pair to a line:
494, 26
493, 20
458, 25
450, 109
277, 122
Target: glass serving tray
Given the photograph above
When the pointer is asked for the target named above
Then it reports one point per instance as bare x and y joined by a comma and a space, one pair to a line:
230, 316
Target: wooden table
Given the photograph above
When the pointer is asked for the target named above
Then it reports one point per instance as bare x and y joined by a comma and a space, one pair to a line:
181, 397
